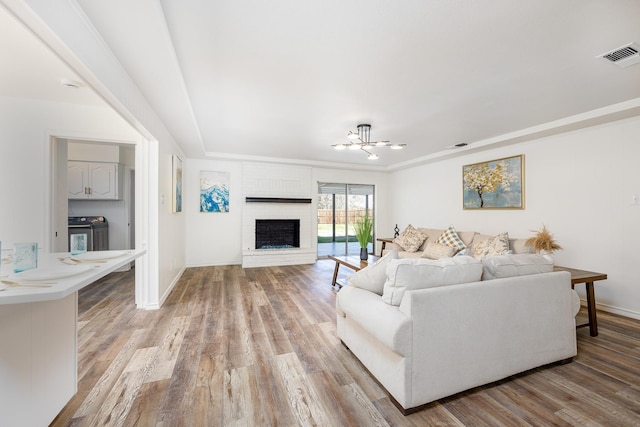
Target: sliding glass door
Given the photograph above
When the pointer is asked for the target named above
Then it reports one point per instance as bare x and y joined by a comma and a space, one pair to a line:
340, 206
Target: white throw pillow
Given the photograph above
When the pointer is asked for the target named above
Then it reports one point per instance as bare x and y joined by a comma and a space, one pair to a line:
410, 274
437, 251
372, 277
500, 266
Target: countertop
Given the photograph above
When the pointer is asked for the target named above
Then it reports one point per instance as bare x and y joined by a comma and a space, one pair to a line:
62, 287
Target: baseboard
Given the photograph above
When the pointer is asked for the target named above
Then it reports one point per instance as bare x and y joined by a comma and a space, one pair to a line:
215, 264
612, 309
616, 310
174, 282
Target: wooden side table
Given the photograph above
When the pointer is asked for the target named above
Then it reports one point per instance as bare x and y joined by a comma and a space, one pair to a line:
588, 278
384, 241
352, 262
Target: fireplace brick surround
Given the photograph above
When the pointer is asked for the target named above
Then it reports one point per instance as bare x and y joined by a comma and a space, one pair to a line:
268, 187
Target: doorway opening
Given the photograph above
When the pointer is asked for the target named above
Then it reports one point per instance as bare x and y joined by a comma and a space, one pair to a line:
340, 206
122, 213
115, 205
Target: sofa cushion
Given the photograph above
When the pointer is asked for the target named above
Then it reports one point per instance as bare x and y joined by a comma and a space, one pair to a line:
437, 251
410, 239
372, 277
410, 274
405, 254
485, 246
501, 266
451, 238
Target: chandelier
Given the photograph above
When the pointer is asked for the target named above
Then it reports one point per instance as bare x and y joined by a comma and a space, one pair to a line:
361, 141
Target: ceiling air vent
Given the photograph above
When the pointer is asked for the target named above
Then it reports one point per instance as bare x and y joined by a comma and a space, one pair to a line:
623, 56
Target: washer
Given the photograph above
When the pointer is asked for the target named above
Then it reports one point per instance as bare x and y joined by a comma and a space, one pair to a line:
95, 227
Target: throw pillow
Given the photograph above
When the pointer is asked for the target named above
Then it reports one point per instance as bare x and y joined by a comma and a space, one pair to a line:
437, 251
410, 239
464, 252
410, 274
500, 266
372, 277
450, 238
519, 246
497, 245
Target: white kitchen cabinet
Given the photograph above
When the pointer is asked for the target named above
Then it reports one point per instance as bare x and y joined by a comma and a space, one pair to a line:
93, 181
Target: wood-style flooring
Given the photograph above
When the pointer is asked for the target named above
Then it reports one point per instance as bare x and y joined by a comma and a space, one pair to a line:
258, 347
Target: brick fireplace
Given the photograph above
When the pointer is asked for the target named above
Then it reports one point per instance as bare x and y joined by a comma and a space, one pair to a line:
277, 196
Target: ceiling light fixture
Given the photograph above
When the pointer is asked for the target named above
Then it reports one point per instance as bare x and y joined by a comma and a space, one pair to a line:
361, 140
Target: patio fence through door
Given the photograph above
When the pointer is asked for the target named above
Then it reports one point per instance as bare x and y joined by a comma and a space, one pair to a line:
339, 208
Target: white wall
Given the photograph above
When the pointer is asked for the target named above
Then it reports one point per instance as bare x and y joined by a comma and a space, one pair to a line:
213, 238
580, 184
171, 226
93, 152
216, 238
24, 170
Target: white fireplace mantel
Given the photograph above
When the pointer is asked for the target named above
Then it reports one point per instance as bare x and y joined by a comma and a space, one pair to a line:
277, 192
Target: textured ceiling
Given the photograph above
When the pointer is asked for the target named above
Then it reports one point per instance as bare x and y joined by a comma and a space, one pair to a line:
287, 79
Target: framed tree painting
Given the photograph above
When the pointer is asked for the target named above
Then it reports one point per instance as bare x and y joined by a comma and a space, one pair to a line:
214, 191
176, 202
496, 184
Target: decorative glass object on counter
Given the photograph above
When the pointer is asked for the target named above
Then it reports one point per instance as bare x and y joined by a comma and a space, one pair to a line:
25, 256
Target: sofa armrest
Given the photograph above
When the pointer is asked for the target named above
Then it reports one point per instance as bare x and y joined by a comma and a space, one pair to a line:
383, 321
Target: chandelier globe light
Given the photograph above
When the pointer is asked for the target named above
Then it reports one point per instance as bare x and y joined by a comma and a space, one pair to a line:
361, 140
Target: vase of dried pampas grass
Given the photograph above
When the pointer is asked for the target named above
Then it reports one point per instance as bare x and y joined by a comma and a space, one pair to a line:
543, 242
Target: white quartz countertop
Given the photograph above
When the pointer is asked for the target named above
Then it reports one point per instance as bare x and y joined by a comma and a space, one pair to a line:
62, 274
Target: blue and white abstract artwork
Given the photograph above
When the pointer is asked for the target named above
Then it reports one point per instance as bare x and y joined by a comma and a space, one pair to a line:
214, 191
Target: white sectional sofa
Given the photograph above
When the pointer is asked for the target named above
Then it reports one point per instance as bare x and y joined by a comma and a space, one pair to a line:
427, 329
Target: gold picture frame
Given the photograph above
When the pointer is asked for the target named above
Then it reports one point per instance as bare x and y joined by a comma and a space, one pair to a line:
494, 184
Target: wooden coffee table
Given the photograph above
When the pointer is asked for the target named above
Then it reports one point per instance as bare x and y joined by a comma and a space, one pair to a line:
350, 261
588, 278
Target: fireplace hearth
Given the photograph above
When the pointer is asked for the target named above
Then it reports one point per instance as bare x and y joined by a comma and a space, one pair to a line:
277, 233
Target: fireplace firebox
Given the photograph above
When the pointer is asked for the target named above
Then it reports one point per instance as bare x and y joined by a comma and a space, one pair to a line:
277, 233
